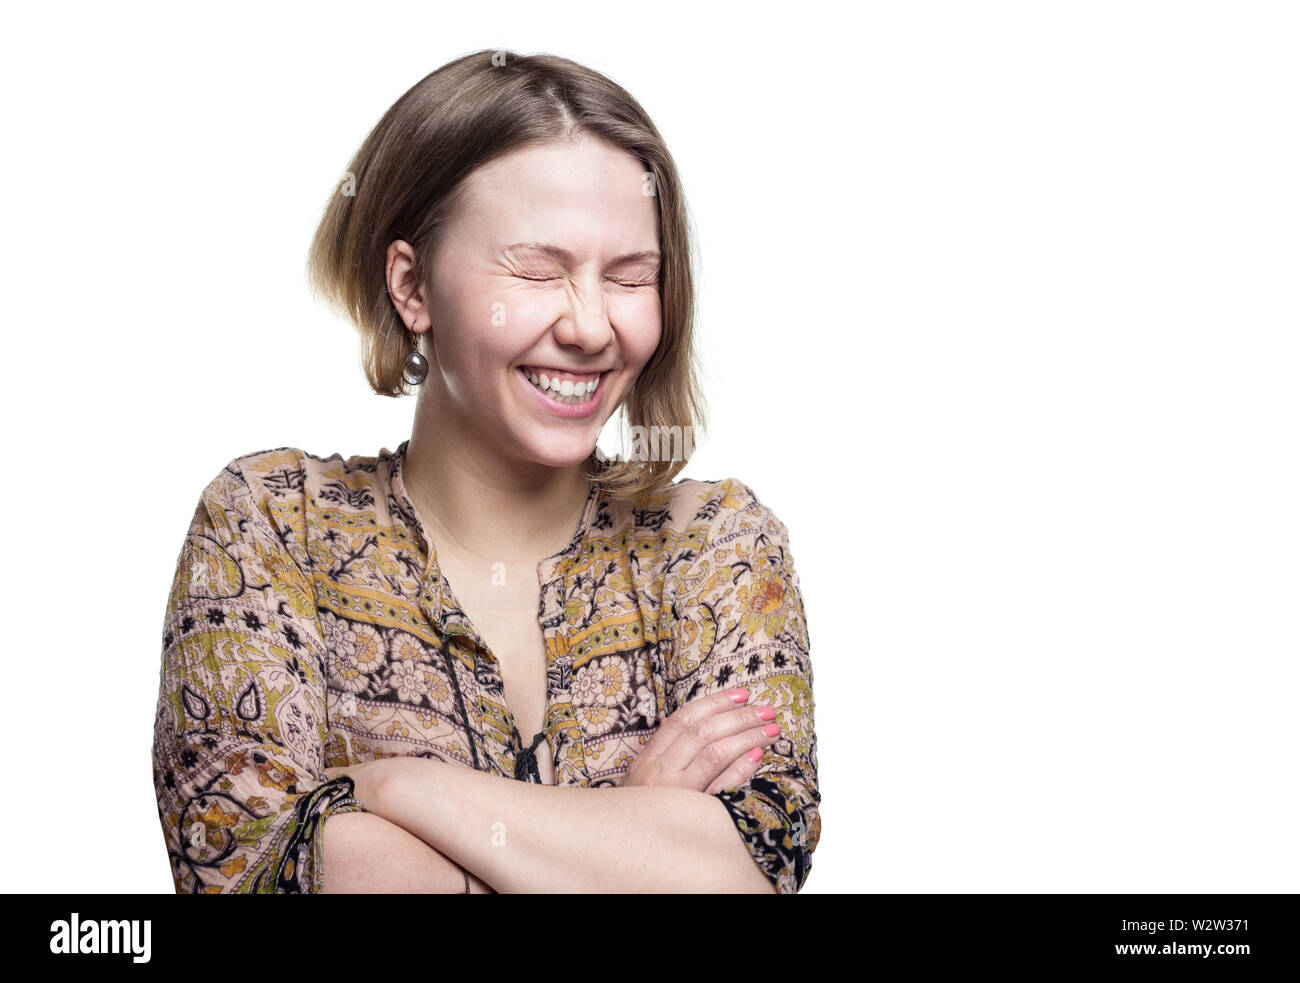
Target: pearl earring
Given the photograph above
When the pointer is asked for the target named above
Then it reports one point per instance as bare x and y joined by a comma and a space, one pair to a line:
416, 367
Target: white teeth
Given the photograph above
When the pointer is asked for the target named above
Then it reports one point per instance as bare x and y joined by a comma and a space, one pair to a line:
567, 391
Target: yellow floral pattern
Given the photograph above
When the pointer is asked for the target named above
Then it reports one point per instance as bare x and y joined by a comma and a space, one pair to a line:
308, 626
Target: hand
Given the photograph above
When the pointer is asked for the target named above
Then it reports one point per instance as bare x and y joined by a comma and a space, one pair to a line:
702, 746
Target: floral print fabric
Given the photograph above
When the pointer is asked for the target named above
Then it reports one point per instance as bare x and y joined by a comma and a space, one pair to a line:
308, 626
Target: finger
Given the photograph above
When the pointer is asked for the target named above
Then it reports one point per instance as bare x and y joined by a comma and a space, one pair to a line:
681, 720
719, 755
687, 749
737, 773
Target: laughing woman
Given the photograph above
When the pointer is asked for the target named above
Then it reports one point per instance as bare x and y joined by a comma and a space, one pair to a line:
355, 648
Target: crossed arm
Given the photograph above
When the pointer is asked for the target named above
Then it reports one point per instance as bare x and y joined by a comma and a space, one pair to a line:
364, 853
524, 837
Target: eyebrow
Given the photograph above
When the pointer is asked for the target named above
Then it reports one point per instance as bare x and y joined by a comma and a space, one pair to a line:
564, 256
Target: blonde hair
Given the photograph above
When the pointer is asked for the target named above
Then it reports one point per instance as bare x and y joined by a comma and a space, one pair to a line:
411, 170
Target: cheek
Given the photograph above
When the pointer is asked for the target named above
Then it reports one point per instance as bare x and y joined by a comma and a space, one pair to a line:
643, 330
479, 346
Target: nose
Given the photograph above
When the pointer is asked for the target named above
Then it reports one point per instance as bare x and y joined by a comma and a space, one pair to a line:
586, 326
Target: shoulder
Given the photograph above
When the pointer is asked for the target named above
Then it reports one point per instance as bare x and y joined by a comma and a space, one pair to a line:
278, 487
695, 526
687, 501
289, 474
725, 509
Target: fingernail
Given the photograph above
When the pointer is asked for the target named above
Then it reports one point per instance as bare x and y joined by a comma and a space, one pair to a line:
739, 695
771, 730
755, 754
765, 713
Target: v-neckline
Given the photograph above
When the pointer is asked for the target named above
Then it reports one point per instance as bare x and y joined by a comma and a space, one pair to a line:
459, 622
547, 567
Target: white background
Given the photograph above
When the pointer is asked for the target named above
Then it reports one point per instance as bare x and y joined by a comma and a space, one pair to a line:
1000, 313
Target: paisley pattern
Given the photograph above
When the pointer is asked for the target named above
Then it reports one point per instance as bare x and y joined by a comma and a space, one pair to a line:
309, 626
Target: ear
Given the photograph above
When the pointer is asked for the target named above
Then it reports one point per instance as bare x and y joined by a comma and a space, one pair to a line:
406, 293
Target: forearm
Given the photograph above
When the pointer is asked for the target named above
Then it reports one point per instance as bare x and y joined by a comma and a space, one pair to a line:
367, 854
525, 837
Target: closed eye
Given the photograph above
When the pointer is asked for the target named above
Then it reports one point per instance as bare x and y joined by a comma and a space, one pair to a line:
621, 283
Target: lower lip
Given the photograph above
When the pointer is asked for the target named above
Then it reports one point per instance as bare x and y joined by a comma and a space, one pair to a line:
570, 411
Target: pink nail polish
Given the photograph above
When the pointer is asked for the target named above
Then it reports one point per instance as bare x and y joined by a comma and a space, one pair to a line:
739, 695
765, 713
771, 730
755, 754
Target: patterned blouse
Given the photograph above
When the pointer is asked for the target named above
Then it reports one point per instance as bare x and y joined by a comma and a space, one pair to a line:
309, 627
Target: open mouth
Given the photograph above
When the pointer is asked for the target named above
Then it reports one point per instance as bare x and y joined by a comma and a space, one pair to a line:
566, 393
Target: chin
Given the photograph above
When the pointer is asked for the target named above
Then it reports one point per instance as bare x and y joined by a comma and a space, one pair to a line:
553, 457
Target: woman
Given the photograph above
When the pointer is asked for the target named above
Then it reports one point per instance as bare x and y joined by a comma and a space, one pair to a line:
355, 648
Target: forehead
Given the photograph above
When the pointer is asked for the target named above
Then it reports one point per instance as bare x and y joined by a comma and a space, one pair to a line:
543, 191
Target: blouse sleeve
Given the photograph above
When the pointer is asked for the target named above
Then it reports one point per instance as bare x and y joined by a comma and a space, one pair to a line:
738, 620
240, 729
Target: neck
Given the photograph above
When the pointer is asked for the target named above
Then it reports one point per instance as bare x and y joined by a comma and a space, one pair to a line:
488, 508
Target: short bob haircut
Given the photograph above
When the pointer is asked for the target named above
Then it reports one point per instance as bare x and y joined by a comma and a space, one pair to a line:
403, 183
